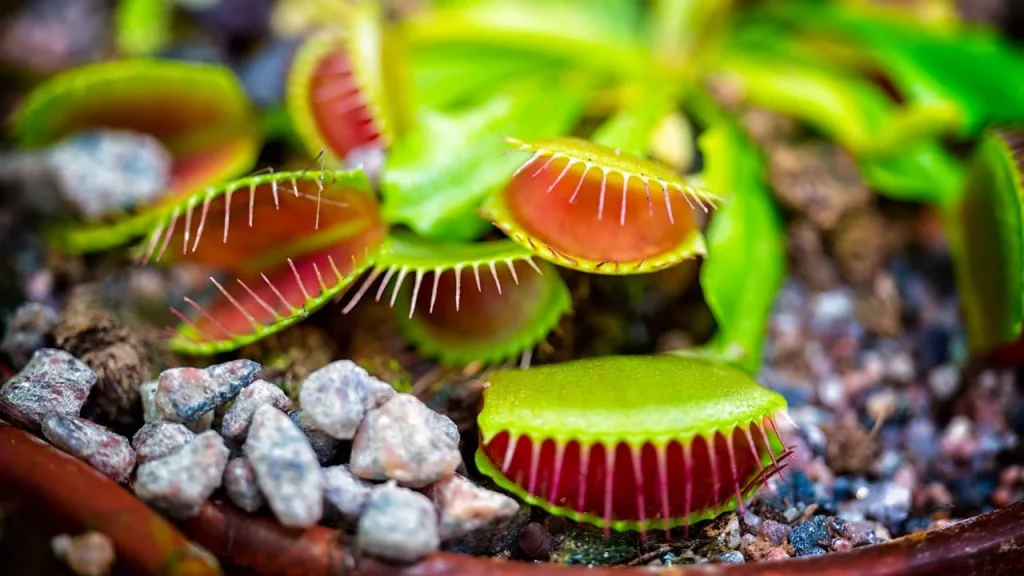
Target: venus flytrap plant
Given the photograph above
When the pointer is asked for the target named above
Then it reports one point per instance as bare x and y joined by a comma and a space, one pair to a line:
197, 111
463, 303
289, 241
631, 442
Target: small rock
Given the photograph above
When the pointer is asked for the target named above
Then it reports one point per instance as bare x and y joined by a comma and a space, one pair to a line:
235, 423
28, 330
105, 451
536, 541
752, 521
53, 383
337, 397
406, 441
185, 394
808, 537
286, 468
889, 503
777, 554
147, 395
733, 557
944, 381
241, 485
841, 545
179, 484
466, 507
88, 554
346, 492
323, 444
774, 532
398, 524
500, 539
158, 439
725, 529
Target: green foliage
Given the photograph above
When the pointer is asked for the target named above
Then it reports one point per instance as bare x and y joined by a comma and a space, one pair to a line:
436, 178
746, 249
143, 26
986, 233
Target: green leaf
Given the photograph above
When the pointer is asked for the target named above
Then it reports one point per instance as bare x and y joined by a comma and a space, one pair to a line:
599, 35
142, 27
631, 127
437, 176
895, 148
746, 260
986, 235
977, 73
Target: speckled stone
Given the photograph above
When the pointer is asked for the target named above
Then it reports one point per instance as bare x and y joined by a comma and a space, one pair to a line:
345, 492
337, 397
286, 468
105, 451
241, 485
52, 383
185, 394
404, 440
398, 524
27, 331
235, 423
466, 507
323, 444
158, 439
179, 484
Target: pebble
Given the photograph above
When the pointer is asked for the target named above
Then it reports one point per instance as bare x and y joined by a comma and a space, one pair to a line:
337, 397
732, 557
105, 451
347, 493
774, 532
286, 468
185, 394
147, 393
944, 381
159, 439
536, 541
406, 441
466, 507
777, 554
398, 524
841, 545
323, 445
889, 503
725, 529
179, 484
88, 554
52, 383
235, 423
808, 537
27, 331
103, 171
241, 485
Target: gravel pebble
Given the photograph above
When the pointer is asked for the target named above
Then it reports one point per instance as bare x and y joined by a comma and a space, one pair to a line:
27, 331
105, 451
536, 541
774, 532
398, 524
286, 468
52, 383
185, 394
808, 537
347, 493
323, 444
337, 397
732, 557
241, 485
235, 423
406, 441
179, 484
466, 507
88, 554
158, 439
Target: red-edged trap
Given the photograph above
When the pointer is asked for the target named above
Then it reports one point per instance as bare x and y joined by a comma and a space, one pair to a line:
288, 242
346, 92
468, 302
198, 112
631, 442
592, 208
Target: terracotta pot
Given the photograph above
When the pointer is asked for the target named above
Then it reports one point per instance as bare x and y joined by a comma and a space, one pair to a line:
70, 496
